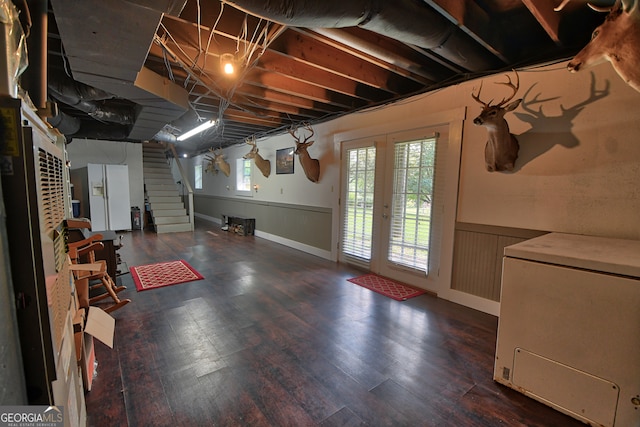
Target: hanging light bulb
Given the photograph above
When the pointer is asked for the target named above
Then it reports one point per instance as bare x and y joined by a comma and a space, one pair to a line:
227, 63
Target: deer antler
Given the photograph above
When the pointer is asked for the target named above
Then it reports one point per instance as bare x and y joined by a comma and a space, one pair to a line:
292, 132
512, 86
477, 97
308, 127
251, 140
592, 6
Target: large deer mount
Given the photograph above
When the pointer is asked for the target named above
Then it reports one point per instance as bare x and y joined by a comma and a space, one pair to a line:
262, 164
501, 150
617, 40
310, 166
217, 162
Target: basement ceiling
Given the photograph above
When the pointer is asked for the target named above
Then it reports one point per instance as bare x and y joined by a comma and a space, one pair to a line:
138, 70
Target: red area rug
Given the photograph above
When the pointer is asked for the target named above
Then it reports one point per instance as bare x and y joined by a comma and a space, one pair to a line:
161, 274
387, 287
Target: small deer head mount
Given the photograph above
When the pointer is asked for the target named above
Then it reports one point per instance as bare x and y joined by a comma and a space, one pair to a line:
501, 150
310, 166
263, 165
217, 162
616, 40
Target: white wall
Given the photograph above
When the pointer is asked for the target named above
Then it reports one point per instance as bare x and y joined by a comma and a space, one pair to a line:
83, 151
578, 169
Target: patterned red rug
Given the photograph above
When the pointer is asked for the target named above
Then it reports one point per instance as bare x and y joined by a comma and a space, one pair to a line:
387, 287
161, 274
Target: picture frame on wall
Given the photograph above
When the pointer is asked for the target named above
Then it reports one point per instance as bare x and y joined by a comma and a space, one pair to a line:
284, 160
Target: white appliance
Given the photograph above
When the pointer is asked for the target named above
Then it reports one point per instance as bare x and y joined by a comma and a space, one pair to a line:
569, 328
110, 207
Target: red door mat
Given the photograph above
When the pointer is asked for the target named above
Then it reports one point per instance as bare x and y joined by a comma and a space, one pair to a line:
387, 287
161, 274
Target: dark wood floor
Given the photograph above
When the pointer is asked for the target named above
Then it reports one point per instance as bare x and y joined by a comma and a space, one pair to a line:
276, 337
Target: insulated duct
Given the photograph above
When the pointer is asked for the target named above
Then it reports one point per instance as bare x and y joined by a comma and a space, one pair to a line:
408, 21
106, 45
83, 97
73, 127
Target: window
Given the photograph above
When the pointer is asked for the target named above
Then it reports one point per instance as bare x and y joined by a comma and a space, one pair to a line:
198, 177
243, 177
358, 214
412, 196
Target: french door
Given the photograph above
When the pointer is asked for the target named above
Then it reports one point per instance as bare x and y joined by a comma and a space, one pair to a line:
388, 195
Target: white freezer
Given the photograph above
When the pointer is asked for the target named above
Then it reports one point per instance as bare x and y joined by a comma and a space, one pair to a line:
569, 327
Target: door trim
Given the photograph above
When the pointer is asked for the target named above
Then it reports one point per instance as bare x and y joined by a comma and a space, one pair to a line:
439, 281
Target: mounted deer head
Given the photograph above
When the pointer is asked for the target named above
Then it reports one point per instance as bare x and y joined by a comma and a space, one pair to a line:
501, 150
617, 40
310, 166
217, 162
262, 164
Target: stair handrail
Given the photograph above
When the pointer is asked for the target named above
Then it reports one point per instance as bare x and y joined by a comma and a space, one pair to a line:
187, 183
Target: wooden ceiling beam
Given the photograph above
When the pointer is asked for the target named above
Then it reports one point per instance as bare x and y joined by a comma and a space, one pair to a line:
185, 35
474, 21
302, 48
548, 18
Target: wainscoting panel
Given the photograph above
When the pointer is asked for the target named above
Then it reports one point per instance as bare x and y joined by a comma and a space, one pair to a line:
309, 225
477, 257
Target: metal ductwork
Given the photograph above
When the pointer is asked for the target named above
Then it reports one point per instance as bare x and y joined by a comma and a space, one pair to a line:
106, 45
86, 98
408, 21
73, 127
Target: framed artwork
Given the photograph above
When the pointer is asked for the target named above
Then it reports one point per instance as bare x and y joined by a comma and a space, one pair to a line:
284, 160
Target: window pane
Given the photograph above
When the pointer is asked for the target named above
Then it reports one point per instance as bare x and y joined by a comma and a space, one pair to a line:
358, 209
198, 177
411, 209
243, 175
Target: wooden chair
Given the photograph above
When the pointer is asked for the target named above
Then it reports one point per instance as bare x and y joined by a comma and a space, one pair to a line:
90, 274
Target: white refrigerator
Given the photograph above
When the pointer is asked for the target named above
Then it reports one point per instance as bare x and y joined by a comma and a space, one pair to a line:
109, 197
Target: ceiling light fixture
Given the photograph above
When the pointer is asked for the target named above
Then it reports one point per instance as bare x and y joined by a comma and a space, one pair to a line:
204, 126
227, 63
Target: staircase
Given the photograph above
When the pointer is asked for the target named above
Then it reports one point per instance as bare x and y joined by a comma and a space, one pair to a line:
167, 208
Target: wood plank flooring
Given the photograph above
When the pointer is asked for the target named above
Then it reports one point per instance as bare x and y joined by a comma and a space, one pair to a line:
276, 337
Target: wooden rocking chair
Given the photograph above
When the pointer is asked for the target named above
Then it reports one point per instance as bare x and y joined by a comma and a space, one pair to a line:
90, 274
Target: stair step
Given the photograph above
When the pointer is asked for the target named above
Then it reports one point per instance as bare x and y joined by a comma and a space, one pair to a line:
153, 160
178, 211
151, 175
161, 193
162, 187
164, 199
158, 206
157, 181
164, 220
172, 228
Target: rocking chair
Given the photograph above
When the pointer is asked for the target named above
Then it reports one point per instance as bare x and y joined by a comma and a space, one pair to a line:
90, 274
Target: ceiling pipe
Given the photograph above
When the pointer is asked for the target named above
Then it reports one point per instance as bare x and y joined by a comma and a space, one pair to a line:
408, 21
82, 97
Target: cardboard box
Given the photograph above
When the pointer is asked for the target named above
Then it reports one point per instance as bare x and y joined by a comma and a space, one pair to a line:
88, 363
99, 325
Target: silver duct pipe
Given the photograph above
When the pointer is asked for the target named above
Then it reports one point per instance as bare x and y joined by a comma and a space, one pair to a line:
408, 21
82, 97
73, 127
